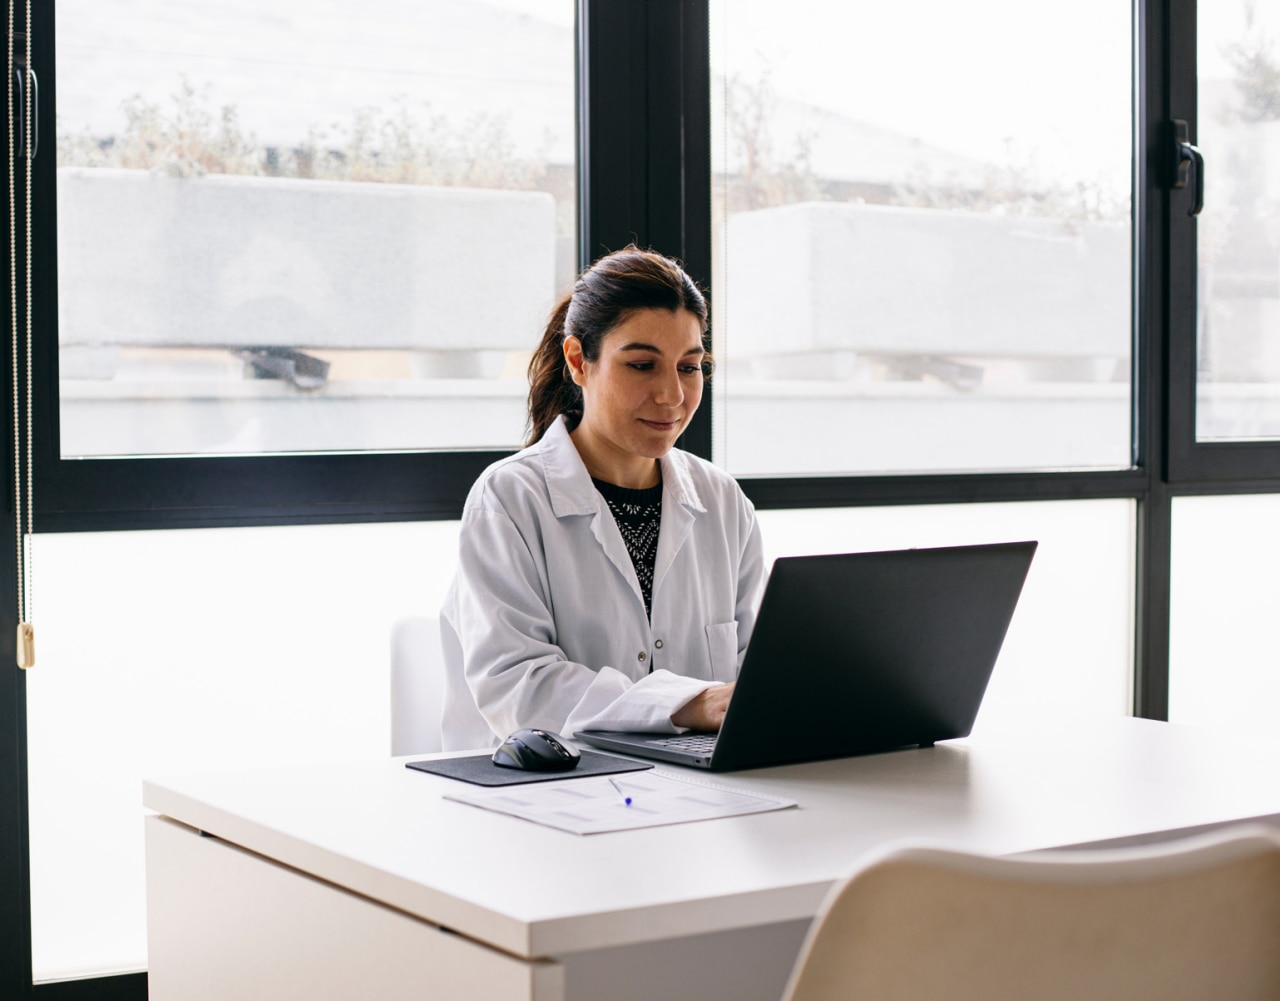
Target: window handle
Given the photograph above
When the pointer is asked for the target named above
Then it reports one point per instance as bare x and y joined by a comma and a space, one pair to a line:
25, 135
1187, 158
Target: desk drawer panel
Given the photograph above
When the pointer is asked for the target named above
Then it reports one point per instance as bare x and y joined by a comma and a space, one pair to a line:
223, 923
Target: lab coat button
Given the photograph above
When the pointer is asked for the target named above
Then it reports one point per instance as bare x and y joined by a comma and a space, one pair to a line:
642, 656
658, 644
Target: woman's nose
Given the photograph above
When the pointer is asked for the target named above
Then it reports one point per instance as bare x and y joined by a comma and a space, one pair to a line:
668, 392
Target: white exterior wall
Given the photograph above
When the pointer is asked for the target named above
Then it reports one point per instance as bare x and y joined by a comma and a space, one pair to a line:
146, 259
840, 277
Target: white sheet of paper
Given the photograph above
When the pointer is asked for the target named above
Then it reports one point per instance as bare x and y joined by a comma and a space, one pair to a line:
598, 805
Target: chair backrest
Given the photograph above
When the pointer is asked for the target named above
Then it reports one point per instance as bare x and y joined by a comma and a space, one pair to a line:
417, 685
1190, 919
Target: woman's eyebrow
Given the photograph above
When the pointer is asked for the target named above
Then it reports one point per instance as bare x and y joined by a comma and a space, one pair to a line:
641, 346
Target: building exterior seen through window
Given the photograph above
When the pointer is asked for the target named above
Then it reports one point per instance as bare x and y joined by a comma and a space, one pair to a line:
282, 231
282, 228
1238, 282
923, 237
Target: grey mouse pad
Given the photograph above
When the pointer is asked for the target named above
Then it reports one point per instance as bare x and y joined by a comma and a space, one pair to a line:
480, 770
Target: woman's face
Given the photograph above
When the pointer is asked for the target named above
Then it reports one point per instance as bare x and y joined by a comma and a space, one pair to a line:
638, 395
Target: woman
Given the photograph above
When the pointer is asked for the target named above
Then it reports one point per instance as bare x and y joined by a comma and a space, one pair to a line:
606, 579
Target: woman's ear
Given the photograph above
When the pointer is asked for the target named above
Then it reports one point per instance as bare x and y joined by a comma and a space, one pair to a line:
574, 360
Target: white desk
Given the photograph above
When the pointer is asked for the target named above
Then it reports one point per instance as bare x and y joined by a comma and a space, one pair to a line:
359, 880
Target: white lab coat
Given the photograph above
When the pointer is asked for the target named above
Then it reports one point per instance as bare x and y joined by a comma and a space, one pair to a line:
545, 625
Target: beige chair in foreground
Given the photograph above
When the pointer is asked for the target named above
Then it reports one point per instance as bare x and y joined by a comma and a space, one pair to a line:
1195, 919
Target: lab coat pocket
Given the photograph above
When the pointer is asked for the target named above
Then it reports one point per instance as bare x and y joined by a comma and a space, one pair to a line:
722, 644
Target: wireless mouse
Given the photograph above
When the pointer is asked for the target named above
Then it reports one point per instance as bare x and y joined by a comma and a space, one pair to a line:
536, 751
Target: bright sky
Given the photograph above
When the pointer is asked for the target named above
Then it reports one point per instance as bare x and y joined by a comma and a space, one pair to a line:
1006, 81
289, 67
990, 78
1222, 22
559, 12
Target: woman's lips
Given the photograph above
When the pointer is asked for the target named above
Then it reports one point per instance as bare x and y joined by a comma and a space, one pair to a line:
660, 425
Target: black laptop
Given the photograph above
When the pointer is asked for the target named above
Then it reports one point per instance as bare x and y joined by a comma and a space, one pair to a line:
857, 653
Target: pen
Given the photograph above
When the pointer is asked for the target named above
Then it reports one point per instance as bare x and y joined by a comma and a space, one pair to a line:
625, 798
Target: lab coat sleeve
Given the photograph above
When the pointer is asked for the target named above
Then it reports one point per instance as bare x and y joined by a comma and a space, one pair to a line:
615, 702
517, 673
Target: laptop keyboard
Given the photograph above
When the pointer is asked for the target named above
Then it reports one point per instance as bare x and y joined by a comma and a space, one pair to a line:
695, 743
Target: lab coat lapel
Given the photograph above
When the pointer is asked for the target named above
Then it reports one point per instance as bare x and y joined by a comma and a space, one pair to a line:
573, 494
681, 506
607, 533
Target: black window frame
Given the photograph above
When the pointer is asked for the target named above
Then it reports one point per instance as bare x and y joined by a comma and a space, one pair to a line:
644, 176
1197, 466
631, 189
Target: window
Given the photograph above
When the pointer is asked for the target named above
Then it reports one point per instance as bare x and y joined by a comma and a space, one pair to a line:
1048, 667
983, 128
277, 223
1238, 314
907, 252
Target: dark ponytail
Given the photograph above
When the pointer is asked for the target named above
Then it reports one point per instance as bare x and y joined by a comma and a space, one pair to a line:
603, 296
551, 391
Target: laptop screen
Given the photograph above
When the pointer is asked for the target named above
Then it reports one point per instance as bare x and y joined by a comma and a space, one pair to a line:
861, 652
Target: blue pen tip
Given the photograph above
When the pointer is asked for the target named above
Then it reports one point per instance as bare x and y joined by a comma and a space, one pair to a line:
628, 801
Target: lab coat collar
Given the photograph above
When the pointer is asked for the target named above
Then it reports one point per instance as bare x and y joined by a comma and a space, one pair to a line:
570, 487
572, 493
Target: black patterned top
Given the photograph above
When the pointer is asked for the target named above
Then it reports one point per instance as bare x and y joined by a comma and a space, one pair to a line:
639, 516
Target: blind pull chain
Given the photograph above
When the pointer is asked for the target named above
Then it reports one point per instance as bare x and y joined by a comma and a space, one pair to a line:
26, 638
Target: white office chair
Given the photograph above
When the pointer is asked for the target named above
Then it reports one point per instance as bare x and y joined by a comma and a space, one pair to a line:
417, 685
1191, 919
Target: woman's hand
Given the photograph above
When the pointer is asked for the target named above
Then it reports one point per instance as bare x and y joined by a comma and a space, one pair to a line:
705, 711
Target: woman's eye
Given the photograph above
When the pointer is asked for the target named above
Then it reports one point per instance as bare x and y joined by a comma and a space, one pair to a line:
648, 366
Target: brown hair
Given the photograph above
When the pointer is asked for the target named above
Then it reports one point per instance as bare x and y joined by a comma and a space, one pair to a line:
603, 296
